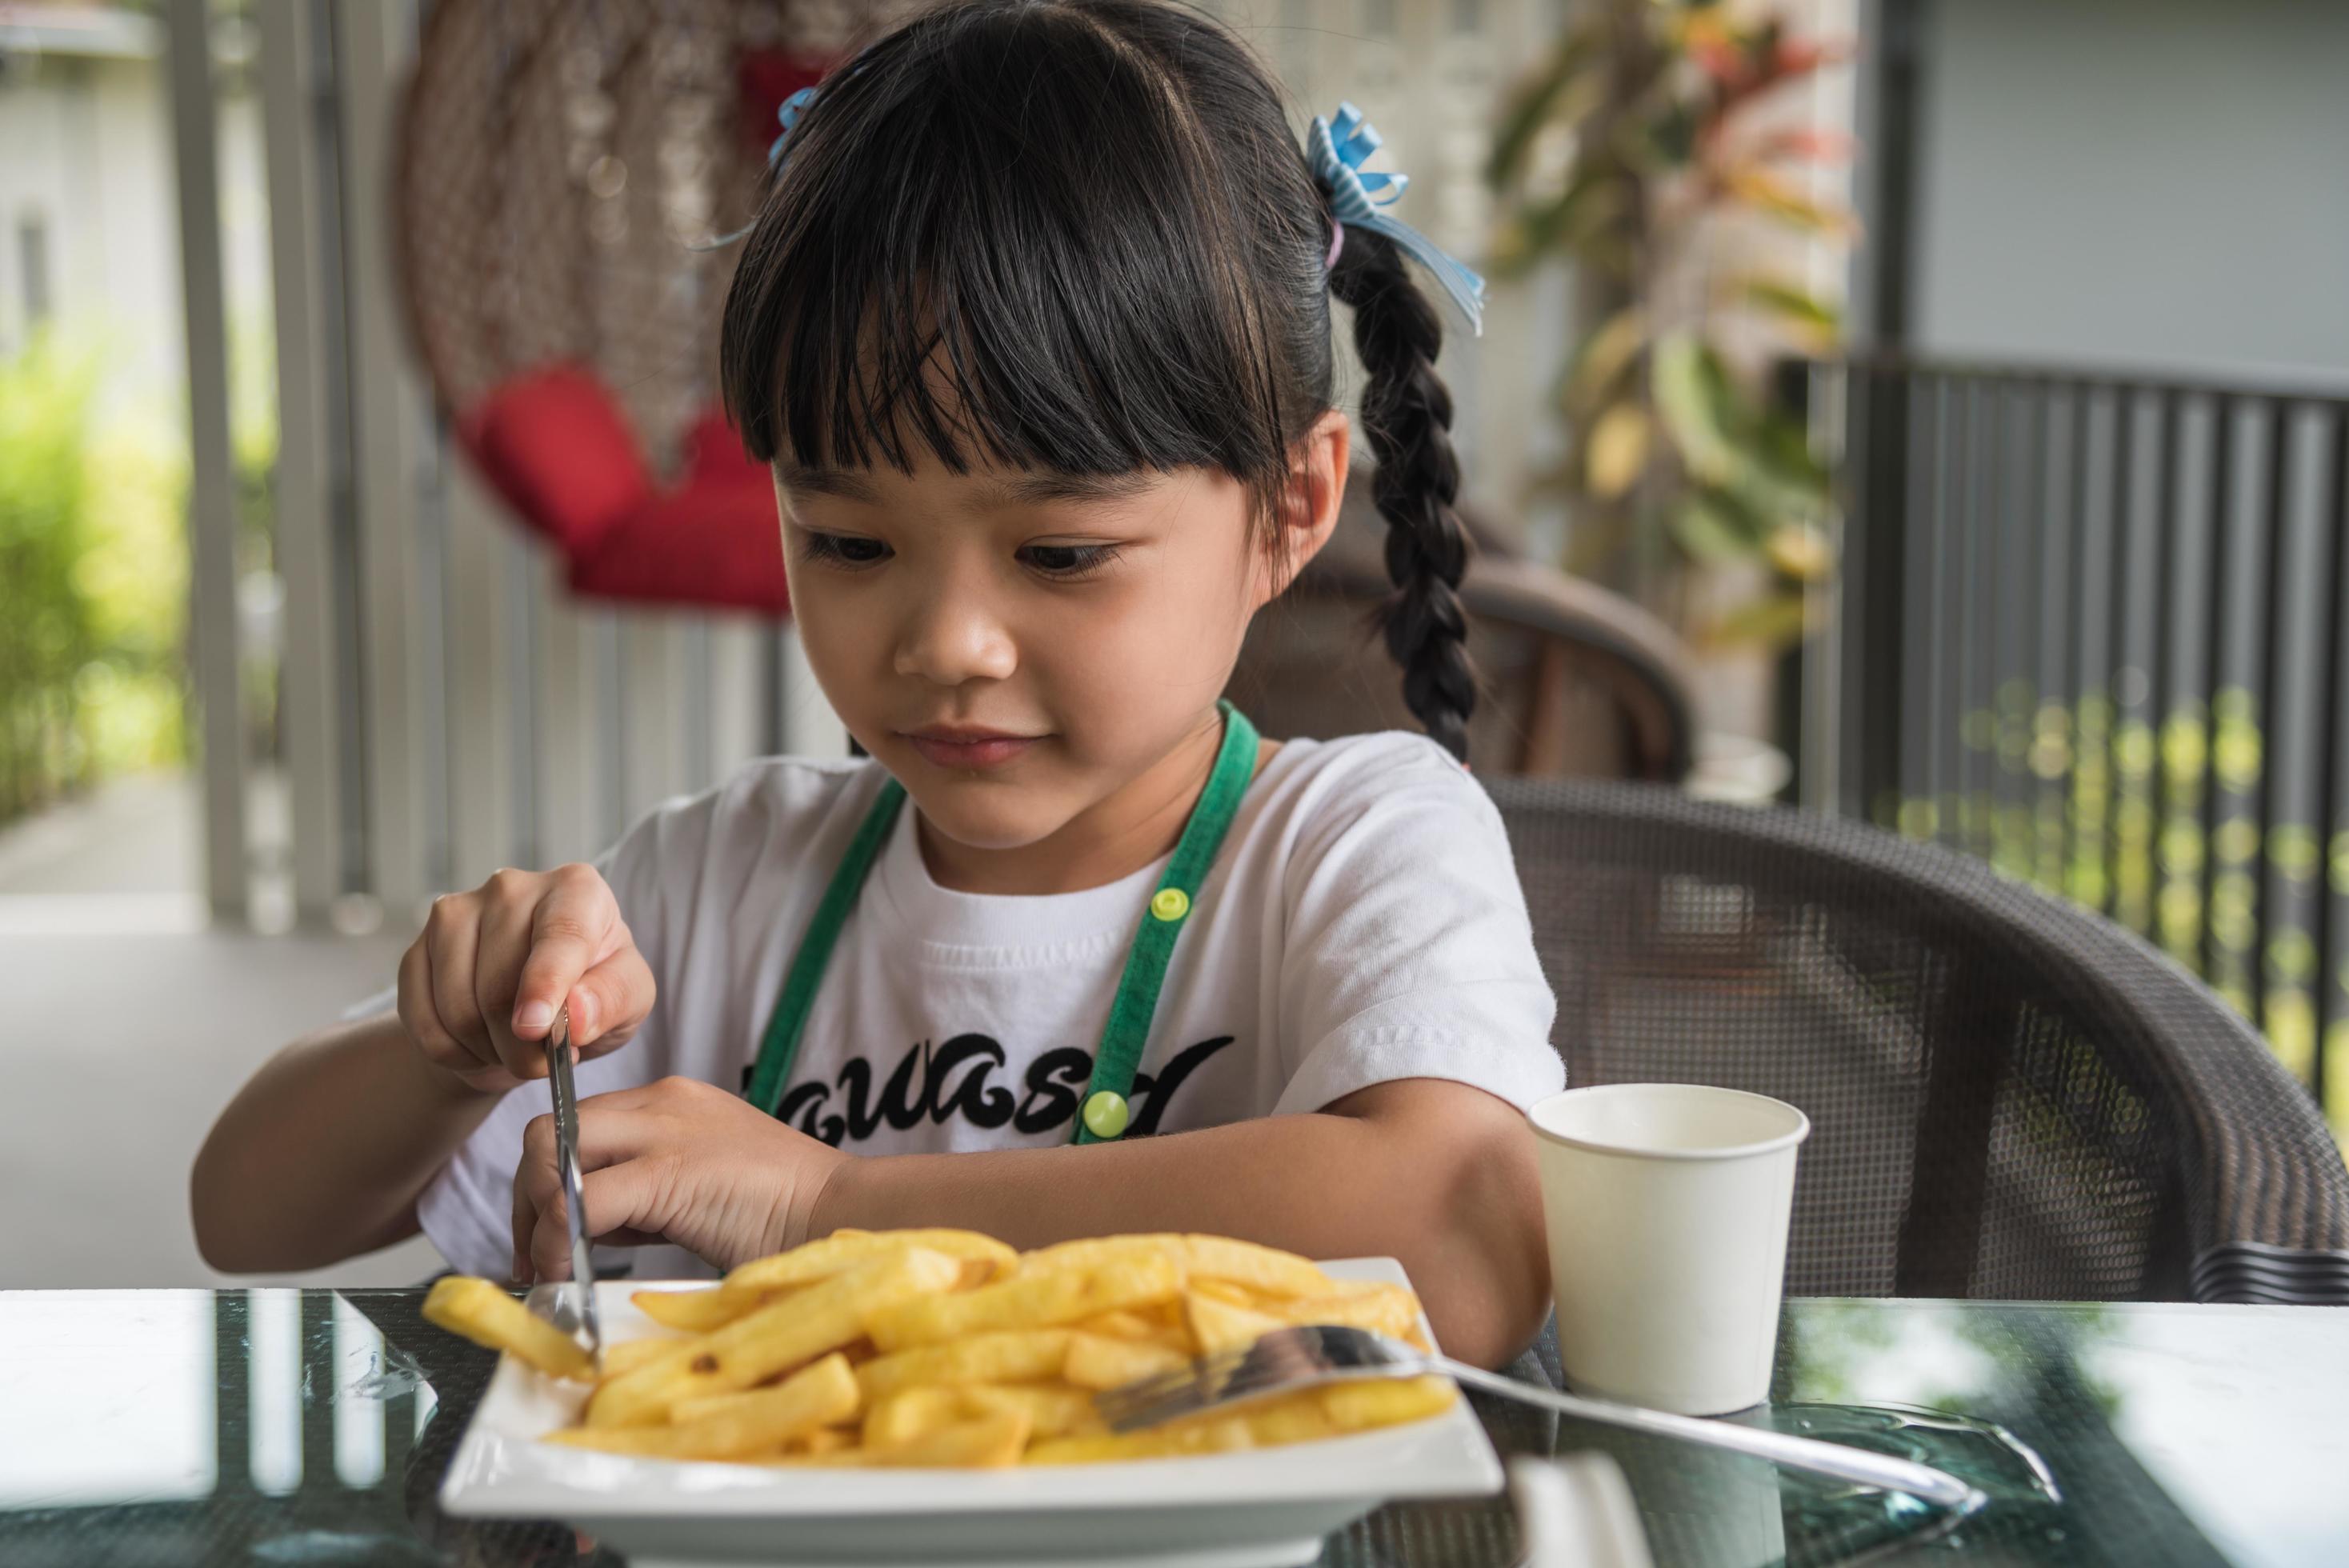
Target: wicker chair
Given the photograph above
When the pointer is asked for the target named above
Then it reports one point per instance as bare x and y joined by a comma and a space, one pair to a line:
2011, 1098
1576, 682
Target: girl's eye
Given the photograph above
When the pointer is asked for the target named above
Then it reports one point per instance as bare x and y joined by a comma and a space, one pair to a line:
1069, 561
844, 549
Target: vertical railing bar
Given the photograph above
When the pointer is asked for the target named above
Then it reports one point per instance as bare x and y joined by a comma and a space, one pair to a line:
523, 670
2222, 461
2020, 604
1881, 671
2266, 905
1989, 524
1855, 480
2332, 987
2163, 647
1964, 494
2121, 598
700, 726
1918, 514
2077, 841
1956, 553
615, 733
2048, 708
770, 685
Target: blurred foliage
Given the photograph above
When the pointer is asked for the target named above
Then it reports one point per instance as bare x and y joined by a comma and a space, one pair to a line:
93, 579
1631, 152
2154, 820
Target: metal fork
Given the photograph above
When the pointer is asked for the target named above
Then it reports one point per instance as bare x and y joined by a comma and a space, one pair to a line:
569, 1305
1291, 1359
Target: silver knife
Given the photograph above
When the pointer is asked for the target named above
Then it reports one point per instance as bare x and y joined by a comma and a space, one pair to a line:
574, 1304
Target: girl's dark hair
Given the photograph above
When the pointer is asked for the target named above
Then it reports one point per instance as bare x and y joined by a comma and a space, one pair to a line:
1079, 236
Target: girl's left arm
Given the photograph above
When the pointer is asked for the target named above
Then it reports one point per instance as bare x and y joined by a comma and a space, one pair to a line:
1435, 1173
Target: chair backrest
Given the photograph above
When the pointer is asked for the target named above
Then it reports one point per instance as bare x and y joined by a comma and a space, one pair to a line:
1576, 682
2010, 1097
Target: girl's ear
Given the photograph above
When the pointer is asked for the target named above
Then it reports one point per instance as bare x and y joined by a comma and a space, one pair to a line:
1309, 502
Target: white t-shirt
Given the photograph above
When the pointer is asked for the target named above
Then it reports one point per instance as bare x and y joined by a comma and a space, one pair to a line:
1363, 923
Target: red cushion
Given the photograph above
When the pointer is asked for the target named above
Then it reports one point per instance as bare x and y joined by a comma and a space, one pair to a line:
714, 454
713, 543
558, 447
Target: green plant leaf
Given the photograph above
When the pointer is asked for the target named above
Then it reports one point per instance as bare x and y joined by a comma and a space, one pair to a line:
1810, 317
1591, 199
1602, 359
1767, 192
1699, 405
1770, 502
1777, 620
1562, 88
1782, 446
1709, 531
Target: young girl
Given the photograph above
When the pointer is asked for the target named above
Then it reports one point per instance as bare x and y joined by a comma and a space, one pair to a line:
1034, 327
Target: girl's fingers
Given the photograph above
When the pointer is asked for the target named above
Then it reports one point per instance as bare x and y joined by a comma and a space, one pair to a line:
525, 1220
512, 900
420, 1016
568, 928
611, 999
615, 1130
453, 940
624, 1206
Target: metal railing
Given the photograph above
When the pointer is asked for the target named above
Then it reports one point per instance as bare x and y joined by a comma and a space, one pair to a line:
2093, 632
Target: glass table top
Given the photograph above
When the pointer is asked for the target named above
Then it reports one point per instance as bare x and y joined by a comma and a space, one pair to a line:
313, 1428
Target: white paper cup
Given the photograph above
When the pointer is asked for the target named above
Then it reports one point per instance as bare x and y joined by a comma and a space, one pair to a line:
1667, 1208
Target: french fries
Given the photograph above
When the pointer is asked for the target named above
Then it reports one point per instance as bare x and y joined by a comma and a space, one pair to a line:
1011, 1355
489, 1316
736, 1425
776, 1337
1097, 1362
940, 1348
1037, 1297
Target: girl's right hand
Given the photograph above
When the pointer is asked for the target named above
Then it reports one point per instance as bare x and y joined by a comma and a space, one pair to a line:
479, 989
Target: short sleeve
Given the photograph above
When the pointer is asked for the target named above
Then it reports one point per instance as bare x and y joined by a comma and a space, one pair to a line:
1408, 950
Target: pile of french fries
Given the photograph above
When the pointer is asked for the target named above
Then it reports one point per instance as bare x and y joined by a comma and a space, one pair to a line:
939, 1348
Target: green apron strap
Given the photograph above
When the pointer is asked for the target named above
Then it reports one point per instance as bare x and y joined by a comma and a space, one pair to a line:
781, 1046
1106, 1111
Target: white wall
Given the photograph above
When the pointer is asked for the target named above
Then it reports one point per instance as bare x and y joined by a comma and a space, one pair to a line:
85, 148
2144, 182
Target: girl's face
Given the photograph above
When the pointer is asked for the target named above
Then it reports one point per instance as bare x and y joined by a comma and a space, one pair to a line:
1037, 656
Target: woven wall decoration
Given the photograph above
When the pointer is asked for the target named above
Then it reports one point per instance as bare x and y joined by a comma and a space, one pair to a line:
559, 160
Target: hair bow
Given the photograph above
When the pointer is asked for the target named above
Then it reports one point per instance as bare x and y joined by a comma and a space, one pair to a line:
1336, 149
788, 116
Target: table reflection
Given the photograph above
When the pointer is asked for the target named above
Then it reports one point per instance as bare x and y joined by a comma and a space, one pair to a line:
276, 1426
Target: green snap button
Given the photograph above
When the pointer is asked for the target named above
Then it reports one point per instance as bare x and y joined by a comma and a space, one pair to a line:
1170, 903
1106, 1115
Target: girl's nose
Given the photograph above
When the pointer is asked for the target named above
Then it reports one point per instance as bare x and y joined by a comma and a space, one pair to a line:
953, 637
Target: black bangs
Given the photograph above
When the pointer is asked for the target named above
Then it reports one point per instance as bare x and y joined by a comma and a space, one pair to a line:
1005, 233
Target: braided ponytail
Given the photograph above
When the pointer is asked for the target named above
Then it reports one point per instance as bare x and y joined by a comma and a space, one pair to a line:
1407, 416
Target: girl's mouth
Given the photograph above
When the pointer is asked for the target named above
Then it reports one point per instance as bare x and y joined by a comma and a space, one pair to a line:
968, 748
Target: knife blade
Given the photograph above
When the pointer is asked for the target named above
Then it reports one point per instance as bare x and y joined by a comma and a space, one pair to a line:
577, 1299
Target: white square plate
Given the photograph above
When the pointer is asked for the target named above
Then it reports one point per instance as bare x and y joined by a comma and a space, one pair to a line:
1260, 1508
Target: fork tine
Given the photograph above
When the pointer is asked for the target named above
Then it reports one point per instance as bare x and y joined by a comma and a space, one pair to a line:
1284, 1358
1186, 1384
